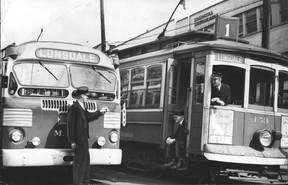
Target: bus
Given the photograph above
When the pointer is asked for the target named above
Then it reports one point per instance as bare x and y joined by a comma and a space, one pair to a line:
163, 77
37, 84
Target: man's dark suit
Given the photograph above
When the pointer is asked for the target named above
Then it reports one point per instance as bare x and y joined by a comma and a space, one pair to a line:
180, 142
223, 94
78, 132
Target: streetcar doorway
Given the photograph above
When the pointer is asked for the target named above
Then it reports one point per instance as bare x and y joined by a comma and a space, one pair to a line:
176, 99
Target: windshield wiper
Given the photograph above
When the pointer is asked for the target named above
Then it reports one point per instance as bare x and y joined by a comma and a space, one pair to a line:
96, 70
41, 63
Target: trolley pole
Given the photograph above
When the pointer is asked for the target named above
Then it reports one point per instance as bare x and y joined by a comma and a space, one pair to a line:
266, 24
103, 39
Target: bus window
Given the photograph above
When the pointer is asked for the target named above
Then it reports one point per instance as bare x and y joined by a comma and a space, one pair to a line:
35, 74
283, 90
94, 79
261, 86
154, 76
137, 88
235, 78
12, 85
172, 92
124, 85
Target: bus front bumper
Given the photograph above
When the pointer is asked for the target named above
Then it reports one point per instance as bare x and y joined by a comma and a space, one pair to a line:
57, 157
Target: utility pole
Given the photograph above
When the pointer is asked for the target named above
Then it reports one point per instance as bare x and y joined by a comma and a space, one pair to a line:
103, 39
266, 24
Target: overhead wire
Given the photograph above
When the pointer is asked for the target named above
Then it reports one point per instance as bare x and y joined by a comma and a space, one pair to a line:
56, 19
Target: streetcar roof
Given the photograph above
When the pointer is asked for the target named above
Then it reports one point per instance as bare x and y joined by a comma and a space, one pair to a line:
219, 44
232, 46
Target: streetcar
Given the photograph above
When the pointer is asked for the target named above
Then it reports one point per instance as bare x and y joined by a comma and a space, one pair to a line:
162, 77
37, 84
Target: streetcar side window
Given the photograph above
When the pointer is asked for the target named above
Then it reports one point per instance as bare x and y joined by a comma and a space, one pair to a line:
235, 78
261, 86
124, 85
283, 90
199, 83
154, 76
137, 87
141, 86
172, 92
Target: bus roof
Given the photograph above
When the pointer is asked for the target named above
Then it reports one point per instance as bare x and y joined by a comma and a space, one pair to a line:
60, 51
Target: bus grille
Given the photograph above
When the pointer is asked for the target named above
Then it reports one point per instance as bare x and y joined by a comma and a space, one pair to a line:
17, 117
63, 105
58, 105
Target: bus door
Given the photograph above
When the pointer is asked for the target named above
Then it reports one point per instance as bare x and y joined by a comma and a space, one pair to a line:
178, 80
195, 112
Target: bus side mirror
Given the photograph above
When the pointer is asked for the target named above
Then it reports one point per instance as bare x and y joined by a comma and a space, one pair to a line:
4, 81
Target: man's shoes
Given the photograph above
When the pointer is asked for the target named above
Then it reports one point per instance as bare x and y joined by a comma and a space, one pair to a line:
178, 165
171, 163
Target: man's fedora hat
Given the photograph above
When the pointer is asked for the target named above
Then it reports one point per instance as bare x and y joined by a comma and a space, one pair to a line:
80, 90
217, 75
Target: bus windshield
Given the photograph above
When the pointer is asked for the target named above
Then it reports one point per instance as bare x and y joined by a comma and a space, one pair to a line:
96, 79
35, 74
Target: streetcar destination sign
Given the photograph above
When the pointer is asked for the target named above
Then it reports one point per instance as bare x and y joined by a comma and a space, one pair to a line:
229, 58
47, 53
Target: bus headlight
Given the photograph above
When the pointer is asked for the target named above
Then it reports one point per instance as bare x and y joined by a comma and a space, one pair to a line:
265, 138
36, 141
113, 136
101, 141
16, 135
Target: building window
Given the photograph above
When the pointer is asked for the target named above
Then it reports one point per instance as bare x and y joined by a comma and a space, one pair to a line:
261, 86
283, 10
154, 76
283, 90
251, 21
240, 24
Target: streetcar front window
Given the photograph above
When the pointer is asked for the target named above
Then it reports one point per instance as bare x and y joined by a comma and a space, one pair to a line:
96, 79
261, 86
41, 74
283, 90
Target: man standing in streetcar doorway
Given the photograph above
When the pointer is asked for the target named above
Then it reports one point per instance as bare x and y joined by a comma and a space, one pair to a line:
78, 135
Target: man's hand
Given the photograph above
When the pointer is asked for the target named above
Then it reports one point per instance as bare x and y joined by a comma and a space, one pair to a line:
217, 101
170, 141
73, 145
103, 110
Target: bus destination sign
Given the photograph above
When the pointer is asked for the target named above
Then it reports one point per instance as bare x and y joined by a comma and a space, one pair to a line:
46, 53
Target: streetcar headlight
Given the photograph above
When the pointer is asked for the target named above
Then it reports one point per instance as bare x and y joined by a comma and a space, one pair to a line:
16, 135
36, 141
101, 141
265, 138
113, 137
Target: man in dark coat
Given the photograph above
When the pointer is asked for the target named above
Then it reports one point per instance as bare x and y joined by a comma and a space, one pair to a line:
220, 94
78, 134
176, 143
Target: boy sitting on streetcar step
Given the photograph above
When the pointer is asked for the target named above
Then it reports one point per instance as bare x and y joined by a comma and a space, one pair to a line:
176, 144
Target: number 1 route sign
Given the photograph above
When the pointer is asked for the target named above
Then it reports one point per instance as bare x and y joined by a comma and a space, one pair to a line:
227, 27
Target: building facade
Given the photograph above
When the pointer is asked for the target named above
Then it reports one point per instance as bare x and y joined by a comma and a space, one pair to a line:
250, 16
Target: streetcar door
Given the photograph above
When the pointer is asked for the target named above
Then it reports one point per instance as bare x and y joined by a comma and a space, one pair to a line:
196, 103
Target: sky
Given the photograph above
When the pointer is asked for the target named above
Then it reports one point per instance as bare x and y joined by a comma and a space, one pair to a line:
78, 21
